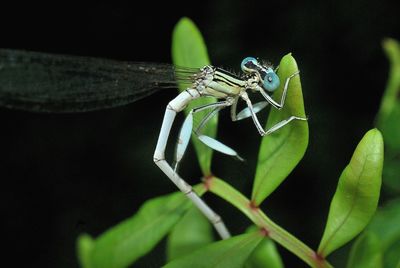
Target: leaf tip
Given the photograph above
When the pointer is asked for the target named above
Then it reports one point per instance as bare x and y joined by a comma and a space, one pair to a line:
288, 60
85, 244
185, 21
388, 42
288, 56
375, 131
184, 24
376, 136
391, 47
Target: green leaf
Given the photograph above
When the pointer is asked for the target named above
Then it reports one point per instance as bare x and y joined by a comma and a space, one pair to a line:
124, 243
265, 254
366, 252
385, 228
193, 231
189, 50
389, 116
84, 248
232, 252
357, 194
385, 223
390, 99
392, 255
281, 151
391, 172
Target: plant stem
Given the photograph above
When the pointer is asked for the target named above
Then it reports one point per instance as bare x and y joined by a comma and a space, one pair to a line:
271, 229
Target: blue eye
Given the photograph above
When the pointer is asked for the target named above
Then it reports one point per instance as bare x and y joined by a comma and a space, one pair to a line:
271, 81
249, 65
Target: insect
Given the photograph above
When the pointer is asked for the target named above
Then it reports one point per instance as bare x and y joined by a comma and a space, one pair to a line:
41, 82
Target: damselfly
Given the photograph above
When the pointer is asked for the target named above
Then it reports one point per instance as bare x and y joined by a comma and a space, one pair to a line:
40, 82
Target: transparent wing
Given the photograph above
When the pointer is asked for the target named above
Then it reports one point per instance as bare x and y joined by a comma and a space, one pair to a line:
41, 82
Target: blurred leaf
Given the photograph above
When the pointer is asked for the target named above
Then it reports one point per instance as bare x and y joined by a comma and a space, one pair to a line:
232, 252
388, 117
265, 254
281, 151
189, 50
366, 252
392, 255
385, 223
193, 231
391, 98
391, 128
385, 228
124, 243
357, 194
391, 177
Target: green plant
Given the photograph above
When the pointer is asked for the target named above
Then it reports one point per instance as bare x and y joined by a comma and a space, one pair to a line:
379, 245
388, 118
190, 241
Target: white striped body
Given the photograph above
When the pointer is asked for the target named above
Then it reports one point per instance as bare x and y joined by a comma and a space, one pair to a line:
221, 84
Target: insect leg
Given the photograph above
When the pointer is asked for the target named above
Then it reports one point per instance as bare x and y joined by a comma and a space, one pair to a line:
274, 127
284, 93
186, 130
175, 106
283, 123
211, 142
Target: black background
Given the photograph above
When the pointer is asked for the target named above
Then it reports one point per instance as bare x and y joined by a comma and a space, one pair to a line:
62, 175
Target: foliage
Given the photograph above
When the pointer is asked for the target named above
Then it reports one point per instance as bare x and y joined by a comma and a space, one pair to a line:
388, 118
379, 245
190, 242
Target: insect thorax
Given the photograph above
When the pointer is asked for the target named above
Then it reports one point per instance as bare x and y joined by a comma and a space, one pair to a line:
219, 83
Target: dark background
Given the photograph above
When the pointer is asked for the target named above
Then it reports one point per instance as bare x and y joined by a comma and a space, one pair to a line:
62, 175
